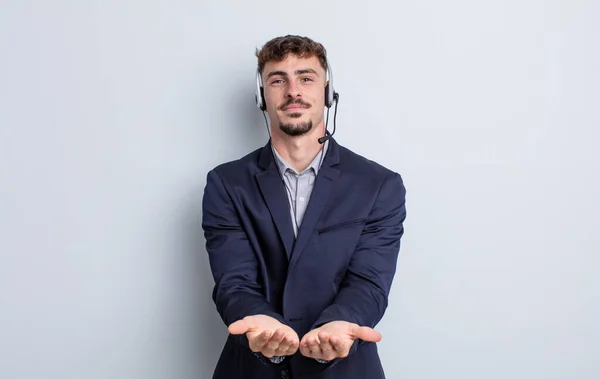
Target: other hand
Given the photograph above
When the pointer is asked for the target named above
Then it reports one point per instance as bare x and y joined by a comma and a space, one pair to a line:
334, 340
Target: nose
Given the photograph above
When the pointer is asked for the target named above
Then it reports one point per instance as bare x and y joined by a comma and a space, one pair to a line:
293, 90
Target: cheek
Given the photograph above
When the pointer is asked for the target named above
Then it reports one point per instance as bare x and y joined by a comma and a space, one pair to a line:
272, 95
318, 106
318, 98
273, 105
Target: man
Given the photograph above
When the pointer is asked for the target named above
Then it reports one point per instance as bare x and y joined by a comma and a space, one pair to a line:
302, 235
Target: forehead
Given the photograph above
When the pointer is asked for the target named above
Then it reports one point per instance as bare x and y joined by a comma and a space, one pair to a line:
291, 63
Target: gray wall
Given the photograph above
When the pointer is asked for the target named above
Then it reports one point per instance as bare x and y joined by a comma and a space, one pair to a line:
112, 112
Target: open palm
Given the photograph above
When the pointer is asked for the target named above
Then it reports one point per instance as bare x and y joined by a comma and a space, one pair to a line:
266, 335
334, 340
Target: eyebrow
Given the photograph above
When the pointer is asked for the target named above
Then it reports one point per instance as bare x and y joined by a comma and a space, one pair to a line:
306, 71
298, 72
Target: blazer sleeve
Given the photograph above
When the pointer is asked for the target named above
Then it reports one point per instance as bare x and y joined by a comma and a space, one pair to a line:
363, 295
237, 292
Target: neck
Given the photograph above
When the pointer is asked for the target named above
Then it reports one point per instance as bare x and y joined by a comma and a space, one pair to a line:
298, 151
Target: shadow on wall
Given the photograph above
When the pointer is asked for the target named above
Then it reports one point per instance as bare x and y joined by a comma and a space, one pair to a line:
248, 130
206, 333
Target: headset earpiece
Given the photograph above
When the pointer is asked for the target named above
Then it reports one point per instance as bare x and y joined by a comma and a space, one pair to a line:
329, 90
260, 93
263, 105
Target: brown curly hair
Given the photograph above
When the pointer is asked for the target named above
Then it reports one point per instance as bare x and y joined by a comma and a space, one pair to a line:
278, 49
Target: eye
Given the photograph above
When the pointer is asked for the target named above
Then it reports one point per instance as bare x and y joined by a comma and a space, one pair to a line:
277, 81
307, 80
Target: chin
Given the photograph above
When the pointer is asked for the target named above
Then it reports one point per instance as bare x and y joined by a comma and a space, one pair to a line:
296, 127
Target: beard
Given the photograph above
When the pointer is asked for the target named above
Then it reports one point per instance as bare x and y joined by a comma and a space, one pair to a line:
296, 129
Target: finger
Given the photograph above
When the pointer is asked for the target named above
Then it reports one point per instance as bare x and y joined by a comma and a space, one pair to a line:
285, 343
366, 334
305, 350
324, 342
262, 339
239, 327
303, 344
313, 347
275, 340
339, 346
294, 345
257, 340
327, 350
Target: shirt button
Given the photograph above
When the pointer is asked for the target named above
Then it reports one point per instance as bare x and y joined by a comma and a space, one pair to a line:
301, 198
285, 374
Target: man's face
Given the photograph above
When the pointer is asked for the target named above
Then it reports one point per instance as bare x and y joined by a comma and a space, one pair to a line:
295, 93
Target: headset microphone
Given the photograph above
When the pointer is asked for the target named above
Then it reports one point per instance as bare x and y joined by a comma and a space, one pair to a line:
336, 98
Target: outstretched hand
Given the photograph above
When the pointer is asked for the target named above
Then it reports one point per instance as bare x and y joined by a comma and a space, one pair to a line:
334, 340
266, 335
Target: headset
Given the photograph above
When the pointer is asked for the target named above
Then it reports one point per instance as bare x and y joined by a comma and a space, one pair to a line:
330, 97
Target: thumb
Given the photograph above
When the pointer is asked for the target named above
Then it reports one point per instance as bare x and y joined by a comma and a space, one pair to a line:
366, 334
239, 327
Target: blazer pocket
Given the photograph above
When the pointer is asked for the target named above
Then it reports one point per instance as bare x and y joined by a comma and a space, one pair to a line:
340, 225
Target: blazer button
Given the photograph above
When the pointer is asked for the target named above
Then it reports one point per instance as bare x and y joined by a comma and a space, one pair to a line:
285, 374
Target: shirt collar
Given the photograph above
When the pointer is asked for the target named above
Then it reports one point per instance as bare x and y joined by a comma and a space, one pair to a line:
315, 165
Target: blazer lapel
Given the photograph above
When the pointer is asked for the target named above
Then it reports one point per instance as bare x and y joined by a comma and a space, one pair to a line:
273, 192
318, 200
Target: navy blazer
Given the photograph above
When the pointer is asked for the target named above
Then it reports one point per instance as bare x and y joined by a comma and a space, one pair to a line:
340, 267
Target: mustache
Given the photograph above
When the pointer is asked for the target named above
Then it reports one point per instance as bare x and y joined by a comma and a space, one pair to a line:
294, 101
